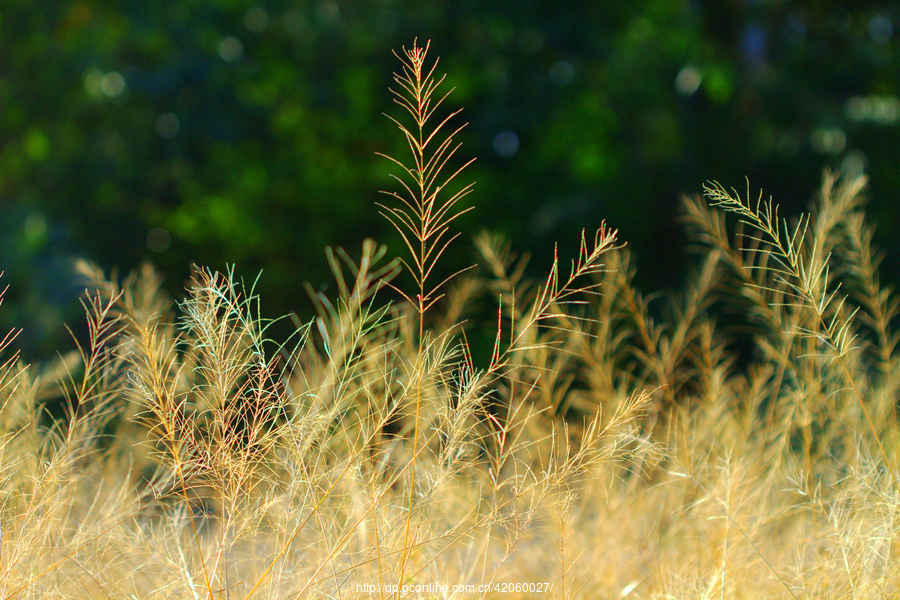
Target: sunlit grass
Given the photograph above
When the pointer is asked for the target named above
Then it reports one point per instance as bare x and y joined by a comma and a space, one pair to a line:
598, 451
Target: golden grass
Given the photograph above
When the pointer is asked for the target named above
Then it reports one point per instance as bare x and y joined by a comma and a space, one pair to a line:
600, 450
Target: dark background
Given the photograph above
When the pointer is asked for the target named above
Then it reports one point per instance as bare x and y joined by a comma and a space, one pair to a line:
245, 133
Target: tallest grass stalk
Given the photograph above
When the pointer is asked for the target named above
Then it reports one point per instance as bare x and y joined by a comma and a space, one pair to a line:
423, 218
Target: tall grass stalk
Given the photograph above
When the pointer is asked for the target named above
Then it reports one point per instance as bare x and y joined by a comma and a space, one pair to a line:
424, 214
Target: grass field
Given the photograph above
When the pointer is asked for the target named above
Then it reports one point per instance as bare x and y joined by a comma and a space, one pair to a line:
597, 452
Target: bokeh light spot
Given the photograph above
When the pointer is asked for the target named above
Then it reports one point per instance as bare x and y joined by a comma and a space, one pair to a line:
506, 144
112, 84
159, 240
256, 19
854, 163
828, 140
167, 125
35, 228
562, 73
327, 13
37, 145
880, 29
688, 80
881, 110
92, 81
231, 49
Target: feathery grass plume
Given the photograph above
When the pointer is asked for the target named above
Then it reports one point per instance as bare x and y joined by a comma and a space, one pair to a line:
424, 214
544, 331
50, 469
9, 373
348, 326
800, 275
205, 402
528, 369
880, 306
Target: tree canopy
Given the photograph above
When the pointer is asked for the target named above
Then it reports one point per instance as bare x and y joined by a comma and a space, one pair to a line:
246, 133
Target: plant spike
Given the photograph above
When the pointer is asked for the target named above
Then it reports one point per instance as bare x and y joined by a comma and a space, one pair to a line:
423, 215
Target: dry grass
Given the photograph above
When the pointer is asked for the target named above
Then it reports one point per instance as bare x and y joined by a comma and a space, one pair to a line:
599, 450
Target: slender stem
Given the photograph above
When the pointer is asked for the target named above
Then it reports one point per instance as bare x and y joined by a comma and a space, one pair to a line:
420, 176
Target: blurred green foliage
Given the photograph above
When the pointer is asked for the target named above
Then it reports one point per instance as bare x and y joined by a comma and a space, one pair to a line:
245, 132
